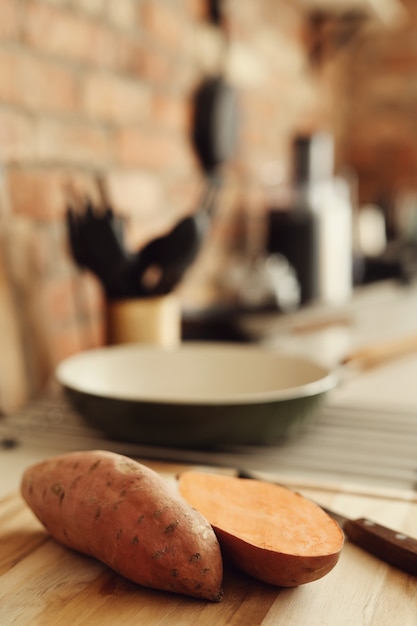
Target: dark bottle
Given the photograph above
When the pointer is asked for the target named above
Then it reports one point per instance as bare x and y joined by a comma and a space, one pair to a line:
294, 227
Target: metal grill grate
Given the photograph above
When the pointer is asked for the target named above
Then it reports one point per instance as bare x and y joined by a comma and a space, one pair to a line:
357, 444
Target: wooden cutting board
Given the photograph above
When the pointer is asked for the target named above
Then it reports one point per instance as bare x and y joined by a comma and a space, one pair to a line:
45, 584
13, 383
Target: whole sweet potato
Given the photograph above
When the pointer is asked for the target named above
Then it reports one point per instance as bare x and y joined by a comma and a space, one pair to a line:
126, 515
266, 530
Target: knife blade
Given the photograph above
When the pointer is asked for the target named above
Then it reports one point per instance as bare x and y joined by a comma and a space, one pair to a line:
389, 545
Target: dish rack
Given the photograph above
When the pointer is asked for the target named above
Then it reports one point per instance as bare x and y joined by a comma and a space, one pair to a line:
357, 444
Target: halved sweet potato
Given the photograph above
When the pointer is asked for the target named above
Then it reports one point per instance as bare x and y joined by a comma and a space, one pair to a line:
268, 531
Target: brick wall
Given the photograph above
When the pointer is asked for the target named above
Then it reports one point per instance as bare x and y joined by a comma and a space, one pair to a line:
93, 87
381, 128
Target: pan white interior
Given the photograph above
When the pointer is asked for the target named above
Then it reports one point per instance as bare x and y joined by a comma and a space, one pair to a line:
194, 372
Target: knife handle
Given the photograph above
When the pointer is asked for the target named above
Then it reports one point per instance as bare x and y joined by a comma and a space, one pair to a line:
390, 546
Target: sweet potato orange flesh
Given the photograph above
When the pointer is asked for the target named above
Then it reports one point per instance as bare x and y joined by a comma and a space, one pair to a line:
268, 531
126, 515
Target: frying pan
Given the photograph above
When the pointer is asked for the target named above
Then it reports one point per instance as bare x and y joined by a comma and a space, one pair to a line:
207, 395
197, 395
216, 122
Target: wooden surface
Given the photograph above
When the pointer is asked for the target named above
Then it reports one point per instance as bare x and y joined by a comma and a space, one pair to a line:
13, 389
12, 375
45, 584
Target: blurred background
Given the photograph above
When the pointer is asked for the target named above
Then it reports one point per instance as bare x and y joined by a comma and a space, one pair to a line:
302, 156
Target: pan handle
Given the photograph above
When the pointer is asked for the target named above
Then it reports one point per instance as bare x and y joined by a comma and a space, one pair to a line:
381, 352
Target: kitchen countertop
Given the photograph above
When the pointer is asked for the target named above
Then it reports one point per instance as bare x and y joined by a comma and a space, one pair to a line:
45, 584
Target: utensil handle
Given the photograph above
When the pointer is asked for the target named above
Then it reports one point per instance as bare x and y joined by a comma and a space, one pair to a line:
390, 546
381, 352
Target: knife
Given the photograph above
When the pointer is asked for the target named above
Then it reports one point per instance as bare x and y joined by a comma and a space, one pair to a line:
388, 545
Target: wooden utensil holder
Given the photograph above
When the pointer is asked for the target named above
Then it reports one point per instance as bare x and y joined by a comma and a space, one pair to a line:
155, 320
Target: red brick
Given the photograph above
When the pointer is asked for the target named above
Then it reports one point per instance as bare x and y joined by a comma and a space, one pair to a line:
115, 99
374, 127
130, 52
90, 7
197, 9
74, 143
9, 19
56, 31
68, 35
171, 111
401, 63
390, 160
17, 140
105, 48
147, 149
37, 84
48, 87
37, 193
122, 13
8, 73
156, 65
135, 193
164, 22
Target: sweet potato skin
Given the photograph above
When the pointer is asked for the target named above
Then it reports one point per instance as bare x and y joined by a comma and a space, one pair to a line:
127, 516
245, 518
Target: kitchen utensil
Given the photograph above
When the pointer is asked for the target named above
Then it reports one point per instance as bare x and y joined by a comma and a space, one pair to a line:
199, 395
96, 237
375, 354
163, 262
155, 321
215, 122
96, 233
388, 545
